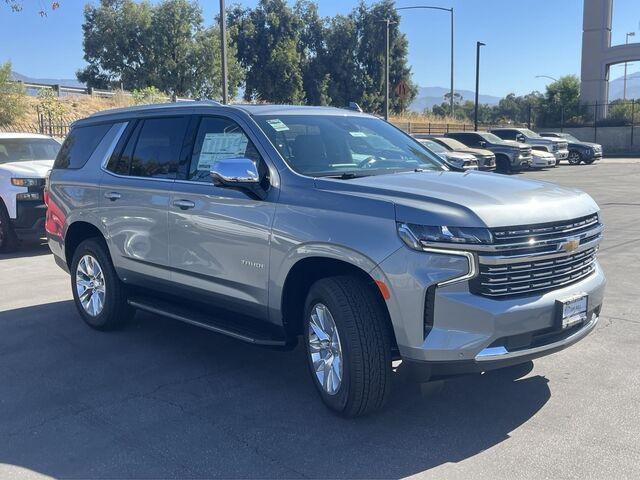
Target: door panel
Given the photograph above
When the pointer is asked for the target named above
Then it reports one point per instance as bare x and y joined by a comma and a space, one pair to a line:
136, 221
221, 245
219, 237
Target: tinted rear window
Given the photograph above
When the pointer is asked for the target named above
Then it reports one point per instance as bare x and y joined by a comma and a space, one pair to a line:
153, 149
79, 145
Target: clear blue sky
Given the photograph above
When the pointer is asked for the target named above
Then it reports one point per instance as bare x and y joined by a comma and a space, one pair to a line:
524, 38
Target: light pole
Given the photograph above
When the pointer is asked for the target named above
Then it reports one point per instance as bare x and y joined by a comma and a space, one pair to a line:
475, 110
223, 50
547, 76
624, 88
417, 7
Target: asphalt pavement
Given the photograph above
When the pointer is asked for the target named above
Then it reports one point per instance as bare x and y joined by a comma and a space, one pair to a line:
161, 399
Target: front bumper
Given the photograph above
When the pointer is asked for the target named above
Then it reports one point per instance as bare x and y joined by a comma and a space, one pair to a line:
561, 154
471, 332
30, 220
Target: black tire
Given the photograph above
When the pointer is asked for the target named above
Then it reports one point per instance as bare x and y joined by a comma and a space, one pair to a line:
8, 238
365, 339
590, 161
574, 158
115, 311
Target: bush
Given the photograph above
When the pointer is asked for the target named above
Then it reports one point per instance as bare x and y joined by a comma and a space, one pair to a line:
148, 95
13, 100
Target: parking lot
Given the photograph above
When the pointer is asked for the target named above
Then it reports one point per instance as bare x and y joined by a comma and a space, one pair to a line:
161, 399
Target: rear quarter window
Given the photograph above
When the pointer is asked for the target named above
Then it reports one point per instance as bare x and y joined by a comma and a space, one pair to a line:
79, 145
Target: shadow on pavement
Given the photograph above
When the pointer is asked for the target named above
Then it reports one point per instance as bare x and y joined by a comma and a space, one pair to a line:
163, 399
28, 249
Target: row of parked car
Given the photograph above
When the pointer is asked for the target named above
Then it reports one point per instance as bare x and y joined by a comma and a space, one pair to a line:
509, 149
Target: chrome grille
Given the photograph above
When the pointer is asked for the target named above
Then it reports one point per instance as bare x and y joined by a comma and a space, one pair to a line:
534, 276
528, 259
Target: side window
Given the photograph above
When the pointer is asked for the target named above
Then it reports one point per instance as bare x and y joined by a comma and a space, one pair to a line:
79, 145
157, 147
219, 138
507, 134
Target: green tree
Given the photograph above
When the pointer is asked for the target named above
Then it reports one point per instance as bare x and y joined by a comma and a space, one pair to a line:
13, 101
137, 45
371, 56
18, 5
343, 69
561, 102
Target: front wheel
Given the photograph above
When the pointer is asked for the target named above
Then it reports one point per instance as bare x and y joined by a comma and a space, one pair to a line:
348, 345
574, 157
99, 295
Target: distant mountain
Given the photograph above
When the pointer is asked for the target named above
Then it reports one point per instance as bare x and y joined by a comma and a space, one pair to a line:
429, 96
67, 82
616, 86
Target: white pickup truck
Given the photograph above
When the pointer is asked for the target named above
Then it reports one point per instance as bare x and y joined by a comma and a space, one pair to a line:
25, 160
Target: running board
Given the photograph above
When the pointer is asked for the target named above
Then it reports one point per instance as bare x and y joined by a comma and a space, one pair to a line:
240, 332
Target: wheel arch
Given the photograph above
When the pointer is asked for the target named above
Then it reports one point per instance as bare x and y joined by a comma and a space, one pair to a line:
76, 233
308, 270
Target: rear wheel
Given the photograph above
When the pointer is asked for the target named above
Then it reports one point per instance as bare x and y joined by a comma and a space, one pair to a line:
8, 239
590, 161
99, 295
574, 157
348, 345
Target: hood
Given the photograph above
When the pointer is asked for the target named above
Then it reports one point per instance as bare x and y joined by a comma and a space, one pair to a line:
477, 151
471, 199
586, 144
460, 155
513, 143
542, 153
27, 169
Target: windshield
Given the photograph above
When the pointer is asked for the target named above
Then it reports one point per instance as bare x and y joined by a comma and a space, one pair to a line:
344, 146
530, 133
433, 146
491, 138
26, 149
453, 144
568, 136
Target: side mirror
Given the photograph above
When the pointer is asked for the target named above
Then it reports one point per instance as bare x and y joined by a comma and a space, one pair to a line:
239, 173
482, 143
521, 138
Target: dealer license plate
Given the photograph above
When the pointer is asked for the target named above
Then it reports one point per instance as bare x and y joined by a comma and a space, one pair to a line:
573, 310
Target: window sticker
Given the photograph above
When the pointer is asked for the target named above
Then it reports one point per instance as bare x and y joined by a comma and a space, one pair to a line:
217, 146
278, 125
358, 134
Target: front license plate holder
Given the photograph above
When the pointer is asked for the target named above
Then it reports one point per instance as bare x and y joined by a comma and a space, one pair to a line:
571, 311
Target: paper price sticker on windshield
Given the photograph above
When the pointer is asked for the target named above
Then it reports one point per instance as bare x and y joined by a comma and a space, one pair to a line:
358, 134
277, 125
221, 145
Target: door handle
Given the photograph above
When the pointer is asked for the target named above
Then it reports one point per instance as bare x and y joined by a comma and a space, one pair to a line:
113, 196
184, 204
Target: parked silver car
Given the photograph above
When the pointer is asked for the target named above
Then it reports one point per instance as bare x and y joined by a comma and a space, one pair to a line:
558, 147
457, 161
269, 223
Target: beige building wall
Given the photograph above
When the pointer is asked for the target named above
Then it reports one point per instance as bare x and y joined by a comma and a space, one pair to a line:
598, 54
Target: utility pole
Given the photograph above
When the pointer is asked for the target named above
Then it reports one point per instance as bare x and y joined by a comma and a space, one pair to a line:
223, 50
624, 88
386, 74
475, 110
452, 103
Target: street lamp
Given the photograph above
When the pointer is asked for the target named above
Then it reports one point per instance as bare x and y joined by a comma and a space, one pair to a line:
388, 22
547, 76
223, 51
624, 88
475, 110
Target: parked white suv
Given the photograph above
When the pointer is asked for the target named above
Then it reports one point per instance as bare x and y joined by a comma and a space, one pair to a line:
25, 159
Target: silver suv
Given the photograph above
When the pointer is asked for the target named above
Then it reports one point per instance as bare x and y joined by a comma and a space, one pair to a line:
269, 223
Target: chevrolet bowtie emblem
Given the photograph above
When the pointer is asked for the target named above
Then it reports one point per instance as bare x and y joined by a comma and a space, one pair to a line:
570, 245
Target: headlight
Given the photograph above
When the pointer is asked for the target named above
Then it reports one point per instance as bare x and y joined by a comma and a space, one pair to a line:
418, 236
456, 162
25, 182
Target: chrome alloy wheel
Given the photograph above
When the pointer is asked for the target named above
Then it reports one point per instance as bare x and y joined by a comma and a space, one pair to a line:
90, 285
325, 349
574, 157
